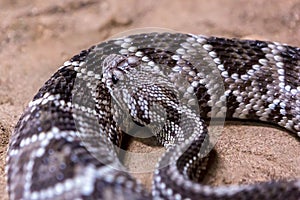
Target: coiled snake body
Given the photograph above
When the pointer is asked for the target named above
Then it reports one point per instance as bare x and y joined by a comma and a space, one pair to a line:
66, 142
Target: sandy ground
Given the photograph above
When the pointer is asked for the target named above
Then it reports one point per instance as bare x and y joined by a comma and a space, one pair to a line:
38, 36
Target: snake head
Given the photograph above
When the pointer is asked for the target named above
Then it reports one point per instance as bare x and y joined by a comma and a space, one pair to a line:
118, 71
116, 66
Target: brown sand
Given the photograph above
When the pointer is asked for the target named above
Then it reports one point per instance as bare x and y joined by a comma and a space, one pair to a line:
38, 36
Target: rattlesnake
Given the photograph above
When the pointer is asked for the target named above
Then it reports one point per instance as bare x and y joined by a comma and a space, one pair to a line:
66, 142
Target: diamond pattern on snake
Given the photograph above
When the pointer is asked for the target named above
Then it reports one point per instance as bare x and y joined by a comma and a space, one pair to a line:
66, 143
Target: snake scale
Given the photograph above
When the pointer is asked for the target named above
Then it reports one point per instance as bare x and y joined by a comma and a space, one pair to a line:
66, 143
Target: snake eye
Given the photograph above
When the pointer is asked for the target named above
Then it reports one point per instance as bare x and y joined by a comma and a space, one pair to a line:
114, 79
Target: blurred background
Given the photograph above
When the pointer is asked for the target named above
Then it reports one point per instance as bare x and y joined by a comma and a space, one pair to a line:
37, 36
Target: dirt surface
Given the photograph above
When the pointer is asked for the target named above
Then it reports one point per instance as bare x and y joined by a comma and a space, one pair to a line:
37, 36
